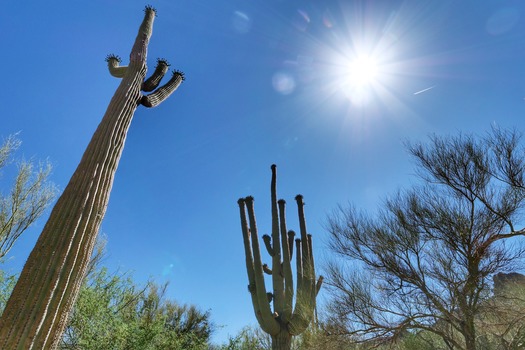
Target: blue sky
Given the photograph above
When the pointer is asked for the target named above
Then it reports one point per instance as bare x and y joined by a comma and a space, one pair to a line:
267, 82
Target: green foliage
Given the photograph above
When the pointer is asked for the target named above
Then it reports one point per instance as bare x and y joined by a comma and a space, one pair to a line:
7, 283
113, 312
253, 338
248, 338
27, 198
318, 338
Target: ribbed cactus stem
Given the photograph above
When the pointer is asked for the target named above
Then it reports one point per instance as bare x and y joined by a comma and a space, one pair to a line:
277, 276
162, 93
302, 226
38, 309
287, 248
250, 268
268, 324
285, 321
160, 70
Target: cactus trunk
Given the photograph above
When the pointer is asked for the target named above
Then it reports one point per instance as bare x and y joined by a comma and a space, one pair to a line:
37, 311
285, 321
282, 340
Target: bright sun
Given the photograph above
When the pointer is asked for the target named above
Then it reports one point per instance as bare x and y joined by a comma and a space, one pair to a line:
360, 79
362, 71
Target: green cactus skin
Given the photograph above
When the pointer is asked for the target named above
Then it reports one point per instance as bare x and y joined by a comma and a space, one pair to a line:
37, 311
286, 320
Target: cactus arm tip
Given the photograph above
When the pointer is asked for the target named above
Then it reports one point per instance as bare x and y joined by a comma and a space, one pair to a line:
111, 57
269, 296
148, 8
180, 73
268, 243
163, 61
115, 69
160, 70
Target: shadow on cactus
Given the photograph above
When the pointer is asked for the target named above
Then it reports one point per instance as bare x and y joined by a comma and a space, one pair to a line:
286, 320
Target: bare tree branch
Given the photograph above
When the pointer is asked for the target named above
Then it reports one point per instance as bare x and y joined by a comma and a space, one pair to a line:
428, 256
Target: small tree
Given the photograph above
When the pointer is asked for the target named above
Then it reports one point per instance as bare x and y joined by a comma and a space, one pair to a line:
28, 197
114, 312
286, 320
427, 257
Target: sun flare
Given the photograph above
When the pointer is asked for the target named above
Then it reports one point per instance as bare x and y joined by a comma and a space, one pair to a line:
360, 79
362, 71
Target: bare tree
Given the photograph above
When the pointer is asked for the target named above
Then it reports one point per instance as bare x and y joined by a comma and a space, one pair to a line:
425, 261
28, 197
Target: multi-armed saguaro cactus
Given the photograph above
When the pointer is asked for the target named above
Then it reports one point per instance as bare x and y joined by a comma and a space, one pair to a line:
37, 311
286, 320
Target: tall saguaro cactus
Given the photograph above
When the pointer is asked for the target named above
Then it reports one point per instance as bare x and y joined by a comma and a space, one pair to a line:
37, 311
286, 320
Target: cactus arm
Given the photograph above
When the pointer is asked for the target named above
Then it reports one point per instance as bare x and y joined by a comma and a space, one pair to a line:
311, 274
306, 245
160, 70
283, 231
162, 93
268, 243
249, 261
293, 326
306, 254
311, 267
305, 302
277, 276
300, 316
318, 285
287, 268
302, 227
268, 324
291, 236
115, 69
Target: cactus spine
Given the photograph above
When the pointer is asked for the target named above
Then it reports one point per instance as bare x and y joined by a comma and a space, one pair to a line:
286, 320
36, 313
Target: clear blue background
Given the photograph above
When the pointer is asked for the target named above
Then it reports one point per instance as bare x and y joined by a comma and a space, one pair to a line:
266, 83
